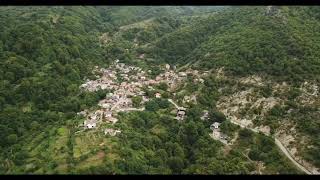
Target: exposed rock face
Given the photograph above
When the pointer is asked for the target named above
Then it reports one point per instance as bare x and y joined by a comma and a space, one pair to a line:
252, 80
310, 93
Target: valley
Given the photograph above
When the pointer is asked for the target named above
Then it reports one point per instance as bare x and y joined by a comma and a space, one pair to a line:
159, 90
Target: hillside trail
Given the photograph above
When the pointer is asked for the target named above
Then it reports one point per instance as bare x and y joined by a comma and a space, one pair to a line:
279, 144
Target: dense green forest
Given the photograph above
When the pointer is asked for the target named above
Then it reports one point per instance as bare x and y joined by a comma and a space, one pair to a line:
46, 53
283, 42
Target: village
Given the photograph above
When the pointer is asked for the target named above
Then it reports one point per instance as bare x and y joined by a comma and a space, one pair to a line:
124, 82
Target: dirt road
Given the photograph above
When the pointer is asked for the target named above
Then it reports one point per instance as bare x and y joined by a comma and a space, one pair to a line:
279, 144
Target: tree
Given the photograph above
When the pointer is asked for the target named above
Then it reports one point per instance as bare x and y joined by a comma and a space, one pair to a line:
12, 138
152, 106
34, 125
136, 101
216, 116
163, 86
176, 164
163, 103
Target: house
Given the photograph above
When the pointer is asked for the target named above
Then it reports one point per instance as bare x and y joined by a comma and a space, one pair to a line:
205, 115
158, 95
112, 120
141, 93
182, 74
180, 114
141, 56
151, 81
167, 66
108, 114
90, 123
215, 125
144, 99
158, 78
111, 132
201, 81
223, 136
82, 113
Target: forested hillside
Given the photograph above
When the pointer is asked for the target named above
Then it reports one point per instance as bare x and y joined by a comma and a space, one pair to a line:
46, 53
282, 41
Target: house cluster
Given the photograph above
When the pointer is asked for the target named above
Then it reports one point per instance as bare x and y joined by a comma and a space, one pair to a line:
122, 91
170, 77
124, 82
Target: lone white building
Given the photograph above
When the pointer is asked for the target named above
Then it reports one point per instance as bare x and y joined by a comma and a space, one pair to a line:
111, 132
215, 125
90, 124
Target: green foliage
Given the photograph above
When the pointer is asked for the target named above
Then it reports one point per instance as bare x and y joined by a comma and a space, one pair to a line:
216, 116
277, 45
46, 53
136, 100
156, 104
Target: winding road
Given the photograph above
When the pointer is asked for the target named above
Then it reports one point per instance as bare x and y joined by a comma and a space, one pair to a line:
279, 144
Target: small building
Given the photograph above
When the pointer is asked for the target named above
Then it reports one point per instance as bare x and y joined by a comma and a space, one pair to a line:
141, 56
180, 114
141, 93
223, 136
158, 95
215, 125
111, 132
82, 113
167, 66
205, 115
112, 120
90, 123
108, 114
182, 74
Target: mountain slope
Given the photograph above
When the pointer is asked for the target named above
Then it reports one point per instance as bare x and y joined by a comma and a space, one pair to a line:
263, 67
247, 41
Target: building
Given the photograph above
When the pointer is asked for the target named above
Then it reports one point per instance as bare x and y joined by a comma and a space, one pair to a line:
141, 56
205, 115
111, 132
167, 66
182, 74
180, 114
158, 95
108, 114
112, 120
215, 125
91, 123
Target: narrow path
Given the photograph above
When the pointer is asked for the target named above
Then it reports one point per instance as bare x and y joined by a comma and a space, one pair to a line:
132, 109
172, 102
114, 106
279, 144
287, 153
